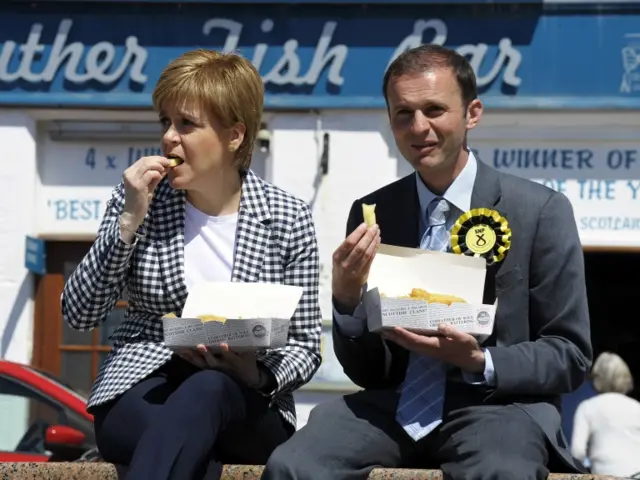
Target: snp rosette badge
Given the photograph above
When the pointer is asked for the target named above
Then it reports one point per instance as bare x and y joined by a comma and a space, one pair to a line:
481, 232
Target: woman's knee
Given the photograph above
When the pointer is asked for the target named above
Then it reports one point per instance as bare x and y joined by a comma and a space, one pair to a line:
120, 423
115, 444
208, 387
211, 382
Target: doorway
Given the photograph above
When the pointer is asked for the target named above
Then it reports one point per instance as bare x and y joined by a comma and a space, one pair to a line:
612, 283
71, 355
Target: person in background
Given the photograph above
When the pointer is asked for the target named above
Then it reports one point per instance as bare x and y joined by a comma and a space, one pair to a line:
606, 428
166, 229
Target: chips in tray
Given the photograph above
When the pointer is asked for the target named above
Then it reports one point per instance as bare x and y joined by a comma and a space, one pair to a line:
204, 318
422, 294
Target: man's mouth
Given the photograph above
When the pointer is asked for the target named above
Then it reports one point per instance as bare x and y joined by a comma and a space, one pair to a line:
424, 145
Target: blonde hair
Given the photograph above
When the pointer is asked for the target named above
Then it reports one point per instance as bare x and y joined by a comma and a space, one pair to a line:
611, 374
225, 85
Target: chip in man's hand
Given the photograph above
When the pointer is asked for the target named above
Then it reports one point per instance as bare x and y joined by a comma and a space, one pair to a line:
369, 214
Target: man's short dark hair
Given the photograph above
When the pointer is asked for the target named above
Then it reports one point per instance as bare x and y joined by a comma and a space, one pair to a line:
426, 58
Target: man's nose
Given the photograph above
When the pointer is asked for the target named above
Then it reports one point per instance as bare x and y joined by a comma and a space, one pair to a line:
420, 123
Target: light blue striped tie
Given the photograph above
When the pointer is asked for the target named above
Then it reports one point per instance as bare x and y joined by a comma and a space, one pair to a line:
422, 392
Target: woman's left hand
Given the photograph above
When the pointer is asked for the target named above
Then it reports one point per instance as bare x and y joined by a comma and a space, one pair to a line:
242, 366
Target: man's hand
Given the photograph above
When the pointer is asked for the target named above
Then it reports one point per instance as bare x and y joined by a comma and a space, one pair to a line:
450, 346
242, 366
351, 263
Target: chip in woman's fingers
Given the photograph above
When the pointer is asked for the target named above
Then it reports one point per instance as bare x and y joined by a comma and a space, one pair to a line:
174, 161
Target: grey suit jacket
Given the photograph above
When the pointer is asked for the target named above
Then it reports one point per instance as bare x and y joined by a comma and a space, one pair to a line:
541, 346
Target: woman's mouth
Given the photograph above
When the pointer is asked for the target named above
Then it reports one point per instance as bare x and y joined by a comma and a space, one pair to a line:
174, 161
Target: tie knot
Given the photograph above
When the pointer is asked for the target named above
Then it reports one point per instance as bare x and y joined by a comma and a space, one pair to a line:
437, 211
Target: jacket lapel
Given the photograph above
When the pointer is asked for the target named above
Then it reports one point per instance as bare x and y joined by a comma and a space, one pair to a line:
487, 193
400, 222
169, 232
486, 188
253, 232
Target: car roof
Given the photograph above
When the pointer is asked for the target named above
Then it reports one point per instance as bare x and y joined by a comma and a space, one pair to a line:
48, 384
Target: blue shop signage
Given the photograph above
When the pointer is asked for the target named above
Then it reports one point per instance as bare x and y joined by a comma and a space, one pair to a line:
317, 57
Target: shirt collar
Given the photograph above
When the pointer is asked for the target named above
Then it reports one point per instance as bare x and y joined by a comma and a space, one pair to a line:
458, 194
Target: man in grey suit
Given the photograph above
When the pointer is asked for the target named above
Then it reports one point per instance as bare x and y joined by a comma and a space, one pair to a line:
487, 411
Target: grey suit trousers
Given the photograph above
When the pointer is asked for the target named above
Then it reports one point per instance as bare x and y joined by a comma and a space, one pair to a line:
346, 438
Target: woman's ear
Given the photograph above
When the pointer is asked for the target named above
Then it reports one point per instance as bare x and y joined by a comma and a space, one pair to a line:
236, 136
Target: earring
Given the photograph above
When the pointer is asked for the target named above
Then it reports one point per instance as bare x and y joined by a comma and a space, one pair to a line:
232, 148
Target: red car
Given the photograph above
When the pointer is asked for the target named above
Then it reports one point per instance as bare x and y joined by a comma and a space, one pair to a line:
42, 419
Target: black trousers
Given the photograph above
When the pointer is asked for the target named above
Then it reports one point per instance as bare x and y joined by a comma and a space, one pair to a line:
185, 423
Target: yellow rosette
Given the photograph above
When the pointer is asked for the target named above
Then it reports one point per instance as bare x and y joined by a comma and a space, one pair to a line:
481, 232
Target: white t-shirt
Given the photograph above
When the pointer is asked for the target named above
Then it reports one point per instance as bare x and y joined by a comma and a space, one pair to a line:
209, 245
606, 430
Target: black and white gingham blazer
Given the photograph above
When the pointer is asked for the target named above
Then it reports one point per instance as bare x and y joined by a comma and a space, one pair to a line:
275, 243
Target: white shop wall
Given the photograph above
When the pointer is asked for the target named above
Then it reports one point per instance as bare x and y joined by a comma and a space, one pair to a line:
596, 167
17, 137
359, 161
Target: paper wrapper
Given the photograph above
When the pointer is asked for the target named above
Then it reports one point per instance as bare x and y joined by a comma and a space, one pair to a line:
397, 270
258, 316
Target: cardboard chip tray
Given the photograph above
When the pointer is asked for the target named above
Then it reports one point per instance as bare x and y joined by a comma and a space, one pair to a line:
256, 316
396, 271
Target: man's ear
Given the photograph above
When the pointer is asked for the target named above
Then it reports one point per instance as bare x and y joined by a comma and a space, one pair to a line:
474, 113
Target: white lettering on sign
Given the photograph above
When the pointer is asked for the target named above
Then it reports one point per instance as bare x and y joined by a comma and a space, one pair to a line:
599, 176
287, 68
76, 209
99, 59
98, 62
508, 56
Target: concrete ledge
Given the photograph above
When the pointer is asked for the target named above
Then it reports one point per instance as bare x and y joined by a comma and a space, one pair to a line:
106, 471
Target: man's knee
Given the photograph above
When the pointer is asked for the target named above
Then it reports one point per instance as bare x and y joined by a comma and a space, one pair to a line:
297, 459
496, 467
514, 466
325, 411
287, 464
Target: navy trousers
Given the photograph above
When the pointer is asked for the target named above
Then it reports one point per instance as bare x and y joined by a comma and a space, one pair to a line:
185, 423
